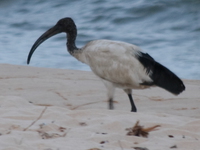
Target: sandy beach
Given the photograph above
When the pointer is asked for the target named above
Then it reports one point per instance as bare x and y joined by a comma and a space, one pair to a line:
57, 109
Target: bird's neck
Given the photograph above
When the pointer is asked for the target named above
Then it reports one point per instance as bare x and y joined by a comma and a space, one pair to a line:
71, 38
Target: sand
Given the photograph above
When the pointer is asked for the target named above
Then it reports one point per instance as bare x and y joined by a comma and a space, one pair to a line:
57, 109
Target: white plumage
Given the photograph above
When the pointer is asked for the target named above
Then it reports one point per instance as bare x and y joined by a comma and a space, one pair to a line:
118, 64
112, 60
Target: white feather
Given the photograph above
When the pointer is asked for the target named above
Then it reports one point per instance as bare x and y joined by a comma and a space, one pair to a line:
115, 62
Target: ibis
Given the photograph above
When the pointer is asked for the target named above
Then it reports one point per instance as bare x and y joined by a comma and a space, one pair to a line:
118, 64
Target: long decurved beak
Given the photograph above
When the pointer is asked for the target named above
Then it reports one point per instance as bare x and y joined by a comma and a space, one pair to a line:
49, 33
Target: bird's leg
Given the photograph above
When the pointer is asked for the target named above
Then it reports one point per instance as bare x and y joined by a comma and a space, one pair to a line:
110, 97
129, 93
133, 107
110, 104
110, 93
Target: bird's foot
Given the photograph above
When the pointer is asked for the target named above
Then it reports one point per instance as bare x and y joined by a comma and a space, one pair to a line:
133, 110
111, 106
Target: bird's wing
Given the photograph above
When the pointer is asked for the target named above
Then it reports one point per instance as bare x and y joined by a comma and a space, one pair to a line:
127, 66
116, 62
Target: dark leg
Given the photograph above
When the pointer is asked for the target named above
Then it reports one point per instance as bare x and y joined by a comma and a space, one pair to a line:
111, 103
133, 108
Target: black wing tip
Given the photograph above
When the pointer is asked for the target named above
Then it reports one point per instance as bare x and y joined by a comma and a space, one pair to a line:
180, 89
169, 81
161, 75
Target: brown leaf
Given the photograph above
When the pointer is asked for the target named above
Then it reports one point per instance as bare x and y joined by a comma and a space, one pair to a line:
138, 130
62, 129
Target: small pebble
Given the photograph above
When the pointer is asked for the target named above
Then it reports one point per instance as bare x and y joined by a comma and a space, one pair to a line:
174, 146
171, 136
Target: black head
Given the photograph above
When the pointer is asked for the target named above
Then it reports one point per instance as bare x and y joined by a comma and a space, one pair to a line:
66, 25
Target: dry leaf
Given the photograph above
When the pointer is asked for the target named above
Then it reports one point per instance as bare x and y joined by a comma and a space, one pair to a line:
62, 129
138, 130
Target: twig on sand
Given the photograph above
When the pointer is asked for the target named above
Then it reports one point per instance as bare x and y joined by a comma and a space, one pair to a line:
36, 119
84, 105
120, 145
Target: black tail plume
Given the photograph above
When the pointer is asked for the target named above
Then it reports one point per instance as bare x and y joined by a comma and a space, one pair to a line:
166, 79
161, 76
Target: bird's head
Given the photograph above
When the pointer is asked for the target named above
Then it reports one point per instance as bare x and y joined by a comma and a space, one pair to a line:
66, 25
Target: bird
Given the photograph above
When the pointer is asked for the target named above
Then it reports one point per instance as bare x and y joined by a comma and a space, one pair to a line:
118, 64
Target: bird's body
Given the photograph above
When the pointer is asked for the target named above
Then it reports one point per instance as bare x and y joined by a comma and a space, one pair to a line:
115, 62
118, 64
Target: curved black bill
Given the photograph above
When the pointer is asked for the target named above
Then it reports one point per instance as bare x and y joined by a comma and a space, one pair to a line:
49, 33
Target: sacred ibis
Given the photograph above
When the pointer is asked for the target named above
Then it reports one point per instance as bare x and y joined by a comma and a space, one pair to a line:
118, 64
